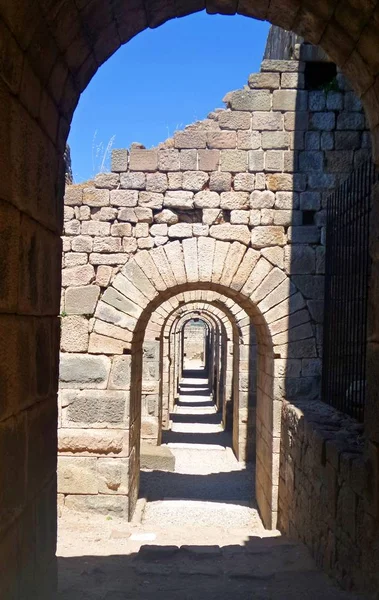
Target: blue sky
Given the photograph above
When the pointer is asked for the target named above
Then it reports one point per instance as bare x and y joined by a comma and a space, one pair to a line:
163, 80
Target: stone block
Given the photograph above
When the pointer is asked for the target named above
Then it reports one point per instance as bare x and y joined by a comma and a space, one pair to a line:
220, 182
275, 140
327, 140
286, 200
105, 213
95, 228
274, 160
194, 181
181, 200
78, 276
317, 100
77, 475
89, 442
112, 475
101, 504
207, 199
157, 458
282, 66
248, 140
268, 236
82, 370
234, 200
159, 229
129, 245
310, 201
180, 230
244, 182
71, 227
236, 120
296, 120
261, 200
151, 200
95, 408
168, 159
283, 182
209, 160
166, 216
74, 259
240, 217
249, 100
256, 160
351, 120
212, 216
104, 274
121, 230
190, 138
143, 160
270, 81
108, 181
222, 139
107, 245
339, 161
233, 160
230, 233
311, 161
174, 181
74, 334
299, 259
133, 181
305, 234
292, 80
81, 300
73, 195
101, 344
156, 182
323, 121
199, 230
290, 100
119, 160
188, 160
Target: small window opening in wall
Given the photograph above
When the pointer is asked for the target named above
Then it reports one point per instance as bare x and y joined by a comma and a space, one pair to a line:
320, 76
308, 217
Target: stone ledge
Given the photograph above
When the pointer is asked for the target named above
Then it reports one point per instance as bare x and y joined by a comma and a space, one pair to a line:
157, 458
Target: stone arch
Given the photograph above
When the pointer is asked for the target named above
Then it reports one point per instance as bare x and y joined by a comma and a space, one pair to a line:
263, 291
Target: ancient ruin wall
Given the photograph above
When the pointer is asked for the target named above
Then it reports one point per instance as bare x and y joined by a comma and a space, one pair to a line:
247, 186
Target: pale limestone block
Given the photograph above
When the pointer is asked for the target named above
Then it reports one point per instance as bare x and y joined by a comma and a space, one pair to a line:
108, 181
141, 230
188, 160
289, 100
260, 181
101, 344
159, 229
82, 370
250, 100
286, 200
264, 80
274, 160
73, 195
234, 200
234, 120
107, 313
296, 120
69, 213
191, 259
256, 160
212, 216
275, 140
95, 197
222, 139
232, 261
105, 213
121, 230
259, 272
175, 257
136, 276
205, 249
163, 265
150, 200
209, 160
110, 244
267, 216
221, 251
245, 268
244, 182
133, 181
260, 200
286, 182
129, 244
254, 217
220, 182
283, 217
113, 475
103, 275
268, 236
207, 199
128, 198
167, 217
71, 227
231, 233
143, 160
84, 213
292, 80
98, 228
120, 373
267, 121
156, 182
240, 217
81, 300
180, 199
119, 161
144, 215
78, 276
270, 282
285, 307
200, 230
145, 243
174, 181
234, 160
149, 268
77, 475
84, 442
282, 66
168, 160
75, 259
180, 230
274, 254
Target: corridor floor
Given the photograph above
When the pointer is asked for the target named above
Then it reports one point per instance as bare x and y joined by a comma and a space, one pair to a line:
197, 534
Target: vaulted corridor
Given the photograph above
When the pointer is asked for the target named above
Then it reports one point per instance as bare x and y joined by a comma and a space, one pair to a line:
197, 532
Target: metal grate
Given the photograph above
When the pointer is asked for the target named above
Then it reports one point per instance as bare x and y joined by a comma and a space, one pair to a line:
346, 283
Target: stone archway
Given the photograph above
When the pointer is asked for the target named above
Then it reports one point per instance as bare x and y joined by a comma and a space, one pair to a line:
141, 288
53, 52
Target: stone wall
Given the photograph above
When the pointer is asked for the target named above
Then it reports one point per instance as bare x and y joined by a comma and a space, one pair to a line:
235, 203
194, 343
328, 494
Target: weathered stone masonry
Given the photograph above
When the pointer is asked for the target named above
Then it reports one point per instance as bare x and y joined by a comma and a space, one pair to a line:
224, 205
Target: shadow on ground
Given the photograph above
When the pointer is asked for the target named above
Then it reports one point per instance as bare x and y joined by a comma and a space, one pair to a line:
261, 569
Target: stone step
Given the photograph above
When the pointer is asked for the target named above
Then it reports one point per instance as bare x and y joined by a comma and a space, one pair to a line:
157, 458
